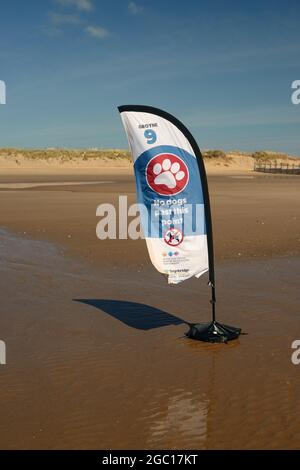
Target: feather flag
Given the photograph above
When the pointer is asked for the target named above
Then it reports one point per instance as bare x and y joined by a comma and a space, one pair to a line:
172, 187
174, 204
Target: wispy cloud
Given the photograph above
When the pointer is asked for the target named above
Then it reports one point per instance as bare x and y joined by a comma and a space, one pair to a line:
134, 8
97, 32
58, 19
83, 5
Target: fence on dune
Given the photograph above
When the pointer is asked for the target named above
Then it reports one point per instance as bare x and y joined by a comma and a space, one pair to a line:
280, 168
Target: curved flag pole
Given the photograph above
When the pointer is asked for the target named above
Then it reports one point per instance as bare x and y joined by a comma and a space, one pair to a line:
212, 331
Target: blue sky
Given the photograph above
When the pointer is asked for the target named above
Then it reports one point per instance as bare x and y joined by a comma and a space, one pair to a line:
224, 68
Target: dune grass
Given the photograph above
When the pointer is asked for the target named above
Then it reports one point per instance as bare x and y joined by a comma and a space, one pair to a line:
71, 155
65, 155
268, 156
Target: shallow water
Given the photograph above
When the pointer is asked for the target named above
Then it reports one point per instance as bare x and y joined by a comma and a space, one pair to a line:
97, 358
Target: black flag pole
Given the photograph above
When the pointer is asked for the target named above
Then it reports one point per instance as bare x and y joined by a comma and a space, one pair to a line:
213, 331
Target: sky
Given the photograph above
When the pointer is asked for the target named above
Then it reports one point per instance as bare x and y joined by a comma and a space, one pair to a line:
224, 68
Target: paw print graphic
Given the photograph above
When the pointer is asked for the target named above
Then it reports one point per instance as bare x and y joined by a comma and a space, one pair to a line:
167, 174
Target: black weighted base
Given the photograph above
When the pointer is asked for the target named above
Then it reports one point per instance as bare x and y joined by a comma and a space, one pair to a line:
213, 332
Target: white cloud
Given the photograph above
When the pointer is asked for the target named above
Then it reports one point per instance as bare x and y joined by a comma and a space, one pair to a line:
134, 8
83, 5
97, 32
58, 19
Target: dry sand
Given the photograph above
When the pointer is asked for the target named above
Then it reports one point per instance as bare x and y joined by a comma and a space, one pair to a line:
96, 356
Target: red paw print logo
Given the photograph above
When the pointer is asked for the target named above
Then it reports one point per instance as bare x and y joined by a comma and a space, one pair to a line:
167, 174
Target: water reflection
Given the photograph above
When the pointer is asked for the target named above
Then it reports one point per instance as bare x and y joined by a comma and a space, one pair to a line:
184, 420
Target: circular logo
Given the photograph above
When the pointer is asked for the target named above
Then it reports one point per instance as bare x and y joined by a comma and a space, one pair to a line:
173, 237
167, 174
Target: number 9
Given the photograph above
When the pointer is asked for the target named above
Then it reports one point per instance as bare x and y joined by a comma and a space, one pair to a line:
150, 135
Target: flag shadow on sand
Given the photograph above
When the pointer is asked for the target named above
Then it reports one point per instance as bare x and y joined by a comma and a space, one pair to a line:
133, 314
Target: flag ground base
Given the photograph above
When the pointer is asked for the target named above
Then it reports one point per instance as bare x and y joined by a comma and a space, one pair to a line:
213, 332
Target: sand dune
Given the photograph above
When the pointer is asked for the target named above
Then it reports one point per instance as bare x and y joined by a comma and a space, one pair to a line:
68, 161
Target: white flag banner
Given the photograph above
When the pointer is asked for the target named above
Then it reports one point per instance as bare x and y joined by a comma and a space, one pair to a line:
172, 187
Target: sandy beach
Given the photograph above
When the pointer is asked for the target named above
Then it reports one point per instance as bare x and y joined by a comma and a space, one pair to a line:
149, 232
96, 353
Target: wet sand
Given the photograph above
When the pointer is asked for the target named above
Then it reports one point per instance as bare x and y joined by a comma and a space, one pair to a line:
96, 353
256, 216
